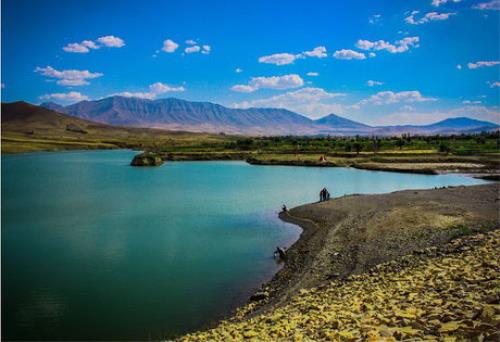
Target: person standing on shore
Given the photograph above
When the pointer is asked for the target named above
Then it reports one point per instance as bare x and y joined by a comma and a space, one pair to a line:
324, 195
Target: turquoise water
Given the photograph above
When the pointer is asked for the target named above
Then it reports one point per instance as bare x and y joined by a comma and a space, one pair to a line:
93, 249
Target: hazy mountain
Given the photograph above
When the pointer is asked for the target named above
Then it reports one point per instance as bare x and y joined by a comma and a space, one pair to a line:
336, 121
176, 114
173, 113
461, 123
448, 126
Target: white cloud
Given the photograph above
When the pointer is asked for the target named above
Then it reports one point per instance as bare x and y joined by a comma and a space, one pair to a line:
348, 54
169, 46
70, 77
372, 54
437, 3
205, 49
375, 19
399, 46
318, 52
481, 64
312, 102
490, 5
390, 97
192, 49
72, 96
238, 70
372, 83
431, 16
459, 66
86, 45
312, 74
155, 89
111, 41
190, 42
243, 88
288, 58
278, 59
494, 84
471, 102
273, 82
76, 48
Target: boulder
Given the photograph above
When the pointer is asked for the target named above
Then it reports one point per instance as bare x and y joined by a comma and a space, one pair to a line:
147, 159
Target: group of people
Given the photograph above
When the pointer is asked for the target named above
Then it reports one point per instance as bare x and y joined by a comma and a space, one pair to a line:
324, 195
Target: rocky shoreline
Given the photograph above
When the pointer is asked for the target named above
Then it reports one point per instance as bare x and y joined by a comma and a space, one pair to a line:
348, 236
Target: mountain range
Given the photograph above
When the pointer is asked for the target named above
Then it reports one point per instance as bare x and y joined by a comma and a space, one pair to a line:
177, 114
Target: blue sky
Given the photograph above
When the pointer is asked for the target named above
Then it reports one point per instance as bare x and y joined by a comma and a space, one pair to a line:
380, 62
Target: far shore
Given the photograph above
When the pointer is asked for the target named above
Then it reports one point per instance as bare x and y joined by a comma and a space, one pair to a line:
482, 167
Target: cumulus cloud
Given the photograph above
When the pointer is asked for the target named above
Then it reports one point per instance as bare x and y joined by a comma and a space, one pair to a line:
490, 5
77, 47
312, 74
278, 58
318, 52
192, 49
348, 54
238, 70
86, 45
285, 58
155, 89
494, 84
205, 49
72, 96
273, 82
190, 42
375, 19
459, 66
169, 46
399, 46
372, 83
428, 17
437, 3
312, 102
111, 41
70, 77
390, 97
481, 64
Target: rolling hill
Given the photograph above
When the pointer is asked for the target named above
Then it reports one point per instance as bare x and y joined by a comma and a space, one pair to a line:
26, 127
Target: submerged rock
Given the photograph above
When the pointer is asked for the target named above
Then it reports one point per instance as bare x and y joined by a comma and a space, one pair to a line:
147, 159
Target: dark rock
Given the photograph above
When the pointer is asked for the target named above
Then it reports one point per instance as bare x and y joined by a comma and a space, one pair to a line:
258, 296
147, 159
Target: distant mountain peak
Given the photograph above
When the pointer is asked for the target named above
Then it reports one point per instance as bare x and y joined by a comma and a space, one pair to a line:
334, 120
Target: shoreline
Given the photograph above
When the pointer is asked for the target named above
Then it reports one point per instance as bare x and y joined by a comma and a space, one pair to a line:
334, 245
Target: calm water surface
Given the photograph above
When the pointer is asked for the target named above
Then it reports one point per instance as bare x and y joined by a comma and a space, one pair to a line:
93, 249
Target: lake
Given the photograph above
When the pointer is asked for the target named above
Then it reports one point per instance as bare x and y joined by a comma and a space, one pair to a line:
93, 249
